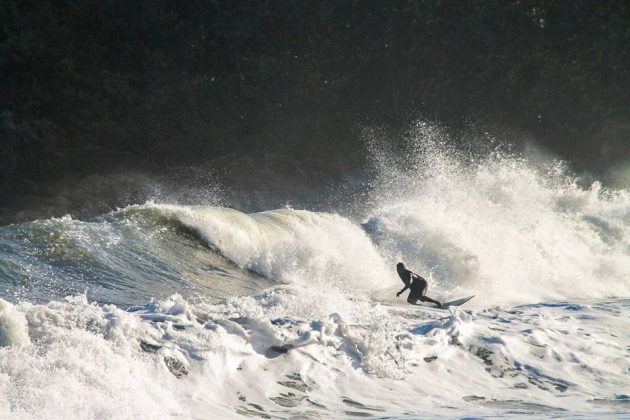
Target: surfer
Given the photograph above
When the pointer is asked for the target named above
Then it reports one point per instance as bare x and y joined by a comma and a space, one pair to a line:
416, 283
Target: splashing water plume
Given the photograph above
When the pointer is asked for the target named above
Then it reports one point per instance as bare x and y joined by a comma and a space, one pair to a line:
498, 225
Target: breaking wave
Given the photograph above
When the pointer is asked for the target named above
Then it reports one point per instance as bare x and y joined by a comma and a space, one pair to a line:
168, 310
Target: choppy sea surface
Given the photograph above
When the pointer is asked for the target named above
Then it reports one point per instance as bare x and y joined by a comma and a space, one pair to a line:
160, 310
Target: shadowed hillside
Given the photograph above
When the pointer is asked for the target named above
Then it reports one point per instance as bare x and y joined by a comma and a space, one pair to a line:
107, 86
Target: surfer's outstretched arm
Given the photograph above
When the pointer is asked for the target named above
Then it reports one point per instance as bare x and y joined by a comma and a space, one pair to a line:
403, 290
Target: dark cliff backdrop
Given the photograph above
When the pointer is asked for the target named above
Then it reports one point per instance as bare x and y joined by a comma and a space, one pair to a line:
104, 86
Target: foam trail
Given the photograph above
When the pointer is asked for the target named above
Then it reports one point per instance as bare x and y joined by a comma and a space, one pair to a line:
173, 359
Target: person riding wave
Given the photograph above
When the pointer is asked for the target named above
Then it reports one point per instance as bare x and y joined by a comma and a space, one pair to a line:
416, 284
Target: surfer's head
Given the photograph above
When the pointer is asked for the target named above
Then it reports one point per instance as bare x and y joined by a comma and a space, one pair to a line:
400, 266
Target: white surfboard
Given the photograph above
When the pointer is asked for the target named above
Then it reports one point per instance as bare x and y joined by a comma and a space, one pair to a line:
427, 305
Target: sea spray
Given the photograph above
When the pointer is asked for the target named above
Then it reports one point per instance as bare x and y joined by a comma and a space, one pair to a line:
498, 225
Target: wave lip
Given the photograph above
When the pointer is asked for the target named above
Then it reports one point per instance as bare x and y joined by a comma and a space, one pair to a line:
292, 246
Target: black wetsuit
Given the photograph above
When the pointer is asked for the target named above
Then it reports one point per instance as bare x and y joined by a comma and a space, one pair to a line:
417, 286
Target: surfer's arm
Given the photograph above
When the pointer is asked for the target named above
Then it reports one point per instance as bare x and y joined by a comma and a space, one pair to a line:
403, 290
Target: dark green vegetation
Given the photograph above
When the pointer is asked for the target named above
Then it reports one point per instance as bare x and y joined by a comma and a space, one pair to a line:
95, 85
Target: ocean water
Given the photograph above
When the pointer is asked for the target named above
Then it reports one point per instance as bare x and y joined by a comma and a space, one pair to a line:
160, 310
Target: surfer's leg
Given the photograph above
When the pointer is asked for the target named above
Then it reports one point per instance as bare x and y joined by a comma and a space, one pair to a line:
424, 298
415, 292
428, 299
